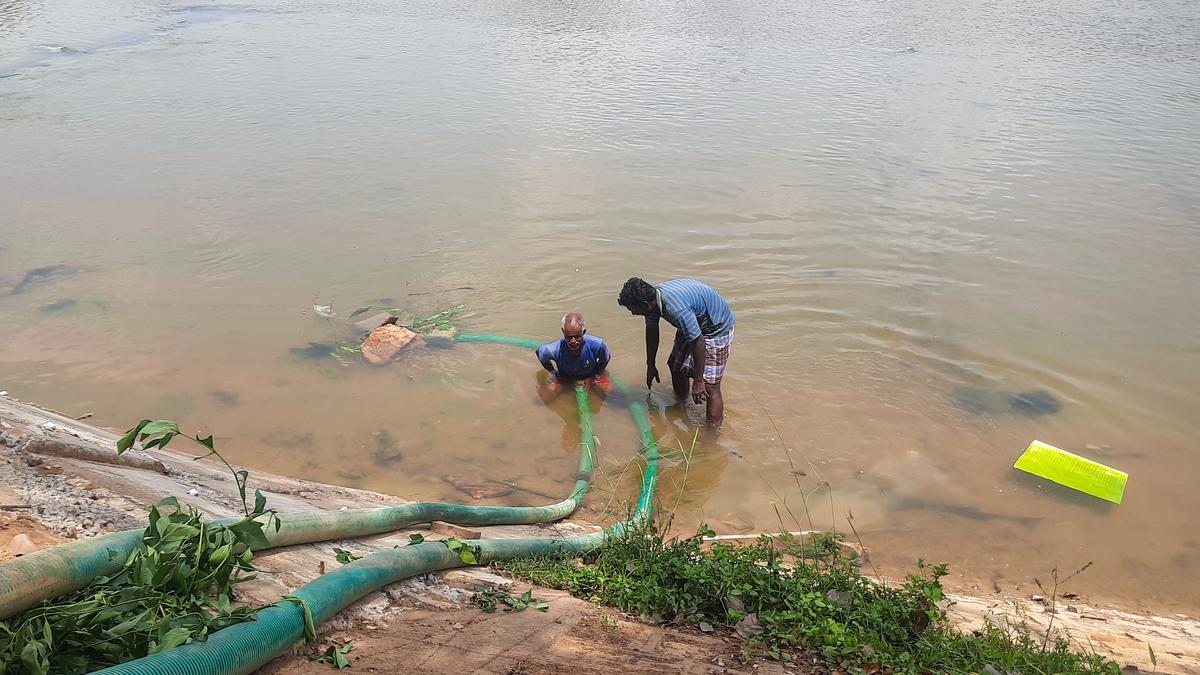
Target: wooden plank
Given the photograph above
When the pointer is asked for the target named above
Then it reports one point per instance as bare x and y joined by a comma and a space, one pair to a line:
448, 530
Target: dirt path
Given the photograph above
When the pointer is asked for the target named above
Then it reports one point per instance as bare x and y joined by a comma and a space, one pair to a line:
428, 624
432, 627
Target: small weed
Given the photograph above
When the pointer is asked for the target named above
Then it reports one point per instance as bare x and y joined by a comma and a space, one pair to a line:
343, 556
490, 599
335, 654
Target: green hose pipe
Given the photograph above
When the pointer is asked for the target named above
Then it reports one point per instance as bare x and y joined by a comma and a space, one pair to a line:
500, 340
641, 419
28, 580
587, 446
245, 647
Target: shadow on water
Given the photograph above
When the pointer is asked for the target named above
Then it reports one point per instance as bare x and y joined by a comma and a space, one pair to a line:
977, 401
1060, 493
59, 306
42, 275
228, 399
962, 511
313, 351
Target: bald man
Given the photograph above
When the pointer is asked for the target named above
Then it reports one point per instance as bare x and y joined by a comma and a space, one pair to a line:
576, 357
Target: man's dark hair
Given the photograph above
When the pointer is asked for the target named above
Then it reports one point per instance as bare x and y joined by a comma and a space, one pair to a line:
636, 292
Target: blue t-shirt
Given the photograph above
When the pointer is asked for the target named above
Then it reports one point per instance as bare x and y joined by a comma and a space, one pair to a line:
694, 308
590, 362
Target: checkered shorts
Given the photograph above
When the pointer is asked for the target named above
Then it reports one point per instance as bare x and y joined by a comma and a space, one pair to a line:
716, 356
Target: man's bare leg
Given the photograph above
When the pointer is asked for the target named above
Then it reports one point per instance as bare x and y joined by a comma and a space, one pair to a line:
681, 383
716, 404
550, 390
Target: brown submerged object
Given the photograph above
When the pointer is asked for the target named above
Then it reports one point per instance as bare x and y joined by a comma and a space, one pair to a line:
479, 488
383, 343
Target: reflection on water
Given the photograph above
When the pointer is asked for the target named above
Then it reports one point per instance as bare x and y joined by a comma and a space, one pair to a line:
945, 234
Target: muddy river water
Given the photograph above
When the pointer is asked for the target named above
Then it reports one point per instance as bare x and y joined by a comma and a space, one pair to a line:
945, 233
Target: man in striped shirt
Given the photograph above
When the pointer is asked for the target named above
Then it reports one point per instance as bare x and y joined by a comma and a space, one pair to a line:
704, 333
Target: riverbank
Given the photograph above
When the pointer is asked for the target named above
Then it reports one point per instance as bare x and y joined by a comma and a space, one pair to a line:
60, 493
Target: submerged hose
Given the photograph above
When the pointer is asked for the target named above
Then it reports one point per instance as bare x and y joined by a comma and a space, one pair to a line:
245, 647
28, 580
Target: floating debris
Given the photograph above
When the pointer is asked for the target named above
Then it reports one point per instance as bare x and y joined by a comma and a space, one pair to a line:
442, 321
1073, 471
384, 342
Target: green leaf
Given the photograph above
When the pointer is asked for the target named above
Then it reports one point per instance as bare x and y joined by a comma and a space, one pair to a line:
260, 501
343, 556
219, 556
158, 427
452, 544
179, 532
127, 625
250, 533
1153, 657
130, 436
171, 639
240, 477
340, 659
34, 658
160, 442
416, 539
310, 631
466, 555
206, 442
161, 525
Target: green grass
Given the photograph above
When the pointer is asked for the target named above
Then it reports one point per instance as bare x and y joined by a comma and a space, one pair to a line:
784, 603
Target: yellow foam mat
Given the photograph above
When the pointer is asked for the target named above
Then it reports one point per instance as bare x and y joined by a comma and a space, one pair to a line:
1073, 471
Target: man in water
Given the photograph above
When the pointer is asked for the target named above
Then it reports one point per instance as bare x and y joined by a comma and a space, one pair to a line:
704, 333
576, 357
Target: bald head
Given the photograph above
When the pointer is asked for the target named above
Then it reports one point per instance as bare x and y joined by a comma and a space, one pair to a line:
573, 329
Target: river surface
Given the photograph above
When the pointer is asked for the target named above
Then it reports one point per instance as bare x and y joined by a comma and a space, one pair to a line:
917, 212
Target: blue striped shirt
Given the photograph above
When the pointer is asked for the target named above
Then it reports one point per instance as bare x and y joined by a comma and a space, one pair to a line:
694, 308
